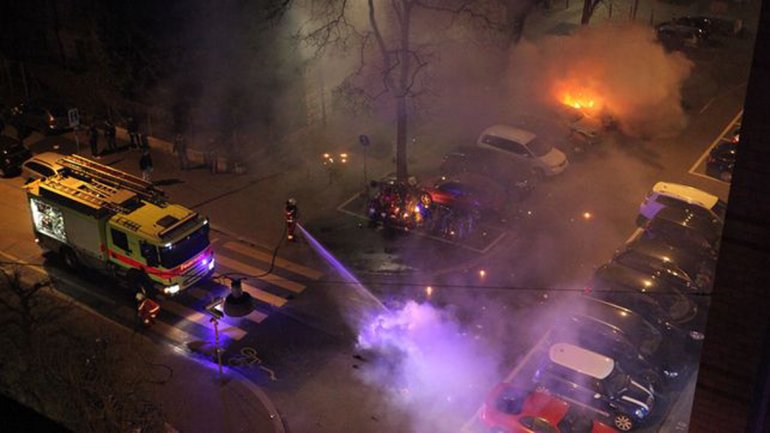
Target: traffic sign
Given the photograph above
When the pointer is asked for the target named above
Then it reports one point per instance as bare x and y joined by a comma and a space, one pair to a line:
363, 139
74, 117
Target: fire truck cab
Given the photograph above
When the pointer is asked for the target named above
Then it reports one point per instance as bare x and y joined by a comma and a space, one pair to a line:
101, 218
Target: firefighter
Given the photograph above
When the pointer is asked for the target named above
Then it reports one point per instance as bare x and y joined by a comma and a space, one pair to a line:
147, 309
291, 214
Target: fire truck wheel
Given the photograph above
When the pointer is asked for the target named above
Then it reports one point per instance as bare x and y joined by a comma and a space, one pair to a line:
70, 258
139, 282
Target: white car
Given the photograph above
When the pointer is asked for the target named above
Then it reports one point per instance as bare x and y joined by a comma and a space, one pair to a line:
665, 194
516, 143
41, 166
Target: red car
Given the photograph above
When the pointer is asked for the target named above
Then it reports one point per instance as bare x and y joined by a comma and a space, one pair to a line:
514, 410
466, 191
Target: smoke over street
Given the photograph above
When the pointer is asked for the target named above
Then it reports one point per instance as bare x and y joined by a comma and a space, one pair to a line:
619, 70
429, 365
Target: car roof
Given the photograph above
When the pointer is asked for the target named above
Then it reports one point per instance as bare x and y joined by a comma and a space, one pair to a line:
582, 360
606, 312
513, 132
686, 193
658, 249
50, 158
709, 227
619, 277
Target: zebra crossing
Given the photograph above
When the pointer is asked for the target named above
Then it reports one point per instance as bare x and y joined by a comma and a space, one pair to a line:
183, 319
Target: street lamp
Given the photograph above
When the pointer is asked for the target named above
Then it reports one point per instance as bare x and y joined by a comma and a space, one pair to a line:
364, 140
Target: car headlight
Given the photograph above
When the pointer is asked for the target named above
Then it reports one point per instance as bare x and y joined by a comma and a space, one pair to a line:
640, 413
170, 290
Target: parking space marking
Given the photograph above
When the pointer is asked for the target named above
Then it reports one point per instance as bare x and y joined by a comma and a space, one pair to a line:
495, 241
705, 154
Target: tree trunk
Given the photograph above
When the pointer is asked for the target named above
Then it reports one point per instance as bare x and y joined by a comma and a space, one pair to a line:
402, 93
401, 121
587, 12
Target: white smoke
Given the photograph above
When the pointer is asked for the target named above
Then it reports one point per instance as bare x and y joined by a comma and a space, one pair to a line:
429, 365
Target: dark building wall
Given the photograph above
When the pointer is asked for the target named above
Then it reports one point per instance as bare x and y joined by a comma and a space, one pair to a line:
733, 388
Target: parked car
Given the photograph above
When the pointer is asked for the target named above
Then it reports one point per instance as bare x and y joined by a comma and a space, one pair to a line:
676, 36
514, 176
643, 349
666, 194
654, 299
696, 266
522, 145
41, 166
721, 160
48, 118
511, 409
12, 154
466, 191
598, 382
685, 228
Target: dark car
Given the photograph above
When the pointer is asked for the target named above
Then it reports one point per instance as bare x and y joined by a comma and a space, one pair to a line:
597, 382
643, 349
721, 160
681, 266
515, 177
12, 155
48, 118
678, 36
653, 298
685, 228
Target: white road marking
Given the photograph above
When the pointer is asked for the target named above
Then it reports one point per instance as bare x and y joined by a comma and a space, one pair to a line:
714, 143
254, 270
255, 316
203, 319
267, 258
499, 237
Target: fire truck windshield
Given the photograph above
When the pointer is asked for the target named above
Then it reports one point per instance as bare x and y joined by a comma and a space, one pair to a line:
184, 249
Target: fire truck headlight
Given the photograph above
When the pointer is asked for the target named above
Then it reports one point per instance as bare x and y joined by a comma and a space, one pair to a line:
211, 264
170, 290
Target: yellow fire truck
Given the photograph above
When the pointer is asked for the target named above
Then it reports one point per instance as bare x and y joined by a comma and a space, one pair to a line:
95, 216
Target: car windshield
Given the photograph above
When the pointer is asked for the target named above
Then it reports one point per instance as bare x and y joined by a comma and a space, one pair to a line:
183, 250
616, 382
720, 208
538, 148
646, 336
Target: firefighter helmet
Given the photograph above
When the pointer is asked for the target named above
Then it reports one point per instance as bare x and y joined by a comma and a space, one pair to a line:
291, 202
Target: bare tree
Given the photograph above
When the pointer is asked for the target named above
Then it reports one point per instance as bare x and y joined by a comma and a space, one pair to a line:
392, 61
589, 6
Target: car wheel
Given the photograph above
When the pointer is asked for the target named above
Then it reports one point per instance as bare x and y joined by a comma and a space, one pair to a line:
140, 282
70, 259
726, 176
623, 422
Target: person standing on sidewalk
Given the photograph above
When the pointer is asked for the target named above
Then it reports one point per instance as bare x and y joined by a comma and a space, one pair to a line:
145, 164
93, 140
109, 134
133, 132
180, 147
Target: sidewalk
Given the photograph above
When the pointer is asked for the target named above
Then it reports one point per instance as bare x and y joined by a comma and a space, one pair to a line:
189, 392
